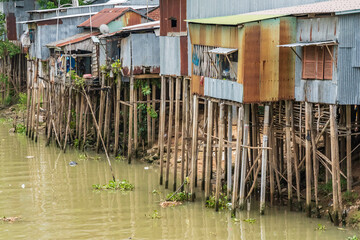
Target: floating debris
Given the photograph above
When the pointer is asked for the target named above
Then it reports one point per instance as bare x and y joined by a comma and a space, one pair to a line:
170, 204
29, 157
115, 185
23, 185
10, 219
73, 163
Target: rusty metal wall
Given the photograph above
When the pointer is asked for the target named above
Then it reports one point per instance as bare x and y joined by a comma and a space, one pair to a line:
318, 29
172, 9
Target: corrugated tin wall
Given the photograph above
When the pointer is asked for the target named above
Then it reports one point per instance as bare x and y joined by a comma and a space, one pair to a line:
349, 47
170, 61
317, 91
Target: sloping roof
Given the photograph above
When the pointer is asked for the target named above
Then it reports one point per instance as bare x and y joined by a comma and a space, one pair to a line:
143, 26
154, 14
105, 16
71, 40
334, 6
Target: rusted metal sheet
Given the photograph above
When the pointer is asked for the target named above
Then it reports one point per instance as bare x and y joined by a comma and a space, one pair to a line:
251, 63
319, 29
269, 60
287, 59
11, 26
213, 35
184, 55
172, 16
197, 85
105, 16
50, 22
131, 18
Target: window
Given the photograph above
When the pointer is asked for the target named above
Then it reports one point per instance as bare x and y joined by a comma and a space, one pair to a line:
173, 22
317, 62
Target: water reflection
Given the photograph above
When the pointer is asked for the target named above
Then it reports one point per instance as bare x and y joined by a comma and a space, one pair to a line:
58, 203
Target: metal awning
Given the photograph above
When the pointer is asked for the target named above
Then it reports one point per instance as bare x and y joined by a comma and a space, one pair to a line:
223, 51
304, 44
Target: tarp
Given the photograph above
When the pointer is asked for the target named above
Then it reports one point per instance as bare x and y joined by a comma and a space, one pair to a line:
223, 51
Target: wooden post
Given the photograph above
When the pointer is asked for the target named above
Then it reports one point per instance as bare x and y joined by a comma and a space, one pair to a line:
162, 127
148, 118
335, 163
348, 148
38, 111
131, 115
288, 106
295, 155
183, 131
244, 157
220, 154
81, 119
101, 111
208, 150
28, 84
117, 114
86, 123
264, 159
237, 158
229, 158
328, 155
136, 142
308, 121
170, 127
194, 145
67, 129
153, 120
177, 116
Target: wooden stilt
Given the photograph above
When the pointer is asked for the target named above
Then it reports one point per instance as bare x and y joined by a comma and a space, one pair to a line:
86, 123
67, 129
264, 159
81, 119
308, 116
153, 120
117, 114
38, 111
131, 116
28, 86
348, 148
183, 131
220, 154
101, 111
208, 150
148, 118
162, 127
237, 158
295, 155
244, 157
328, 155
194, 145
229, 158
288, 152
136, 141
170, 127
204, 147
177, 126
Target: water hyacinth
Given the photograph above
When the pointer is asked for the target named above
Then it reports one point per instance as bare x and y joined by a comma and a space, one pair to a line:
123, 185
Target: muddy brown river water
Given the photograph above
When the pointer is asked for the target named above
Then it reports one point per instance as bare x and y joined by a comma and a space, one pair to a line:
56, 201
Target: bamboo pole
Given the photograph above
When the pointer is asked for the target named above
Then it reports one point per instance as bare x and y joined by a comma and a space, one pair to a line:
28, 84
237, 158
162, 127
38, 112
348, 148
170, 126
194, 145
315, 168
264, 159
117, 114
177, 126
136, 141
328, 155
295, 155
209, 150
308, 116
131, 115
244, 157
220, 154
229, 157
288, 106
148, 118
153, 120
67, 129
107, 120
86, 122
183, 132
101, 111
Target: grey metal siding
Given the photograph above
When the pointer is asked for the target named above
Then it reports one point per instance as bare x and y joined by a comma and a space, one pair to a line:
223, 89
349, 47
170, 56
145, 50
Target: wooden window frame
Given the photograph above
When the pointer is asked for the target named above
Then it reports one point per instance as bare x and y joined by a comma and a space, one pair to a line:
321, 66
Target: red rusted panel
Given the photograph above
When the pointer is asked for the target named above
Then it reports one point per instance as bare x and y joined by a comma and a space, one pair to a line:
132, 18
50, 22
172, 10
197, 86
11, 26
251, 63
126, 71
184, 56
105, 16
155, 70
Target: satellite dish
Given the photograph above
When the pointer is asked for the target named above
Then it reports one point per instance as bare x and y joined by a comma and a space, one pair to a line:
25, 39
104, 29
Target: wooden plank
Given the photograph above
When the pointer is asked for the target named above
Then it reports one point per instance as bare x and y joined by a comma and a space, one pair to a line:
220, 154
244, 157
264, 159
177, 126
194, 145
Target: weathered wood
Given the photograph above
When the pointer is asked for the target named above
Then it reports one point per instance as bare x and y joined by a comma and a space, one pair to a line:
148, 118
315, 168
244, 157
67, 129
131, 115
229, 153
209, 150
153, 120
117, 114
81, 119
239, 139
220, 154
328, 155
183, 132
107, 120
86, 123
177, 126
170, 127
348, 148
162, 127
203, 173
101, 111
264, 158
135, 112
38, 111
335, 164
295, 155
308, 121
28, 89
288, 106
194, 145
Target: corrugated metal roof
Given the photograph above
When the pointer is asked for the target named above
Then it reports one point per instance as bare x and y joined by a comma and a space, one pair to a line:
143, 26
235, 19
302, 44
335, 6
71, 40
105, 16
224, 51
59, 17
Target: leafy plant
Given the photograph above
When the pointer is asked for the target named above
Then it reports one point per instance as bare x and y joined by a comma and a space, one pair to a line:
116, 67
223, 202
22, 100
321, 227
250, 220
7, 48
350, 197
353, 238
179, 197
76, 143
20, 128
155, 215
120, 158
123, 185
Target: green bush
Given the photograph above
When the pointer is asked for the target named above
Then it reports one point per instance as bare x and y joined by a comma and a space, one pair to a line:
179, 197
123, 185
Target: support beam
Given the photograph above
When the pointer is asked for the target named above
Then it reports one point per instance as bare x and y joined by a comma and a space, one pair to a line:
288, 110
162, 127
348, 148
177, 126
264, 158
244, 157
220, 155
170, 127
209, 150
194, 145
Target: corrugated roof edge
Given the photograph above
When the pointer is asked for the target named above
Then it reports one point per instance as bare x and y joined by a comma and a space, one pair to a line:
235, 19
